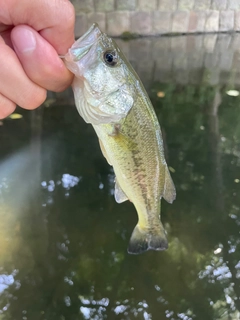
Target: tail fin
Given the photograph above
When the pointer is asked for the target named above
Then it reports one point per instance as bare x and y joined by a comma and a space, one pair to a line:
147, 239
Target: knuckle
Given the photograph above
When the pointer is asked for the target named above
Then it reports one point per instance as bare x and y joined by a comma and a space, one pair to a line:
63, 85
34, 99
61, 88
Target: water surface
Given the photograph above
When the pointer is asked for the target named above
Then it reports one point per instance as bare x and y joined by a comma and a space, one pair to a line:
63, 238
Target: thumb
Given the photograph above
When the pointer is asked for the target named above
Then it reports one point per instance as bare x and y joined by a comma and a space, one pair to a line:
39, 59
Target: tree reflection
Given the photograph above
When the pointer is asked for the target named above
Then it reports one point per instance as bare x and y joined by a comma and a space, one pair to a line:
63, 238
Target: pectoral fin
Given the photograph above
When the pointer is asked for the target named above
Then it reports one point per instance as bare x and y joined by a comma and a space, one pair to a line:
119, 194
169, 192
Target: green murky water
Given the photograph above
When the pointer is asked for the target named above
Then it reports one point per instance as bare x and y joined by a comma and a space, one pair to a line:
63, 238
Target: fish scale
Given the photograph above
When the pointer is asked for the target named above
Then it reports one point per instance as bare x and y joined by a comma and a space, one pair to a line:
110, 96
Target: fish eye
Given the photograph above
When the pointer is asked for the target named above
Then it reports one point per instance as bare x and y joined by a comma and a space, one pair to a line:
110, 57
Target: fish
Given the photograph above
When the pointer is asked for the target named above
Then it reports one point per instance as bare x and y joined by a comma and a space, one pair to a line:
110, 96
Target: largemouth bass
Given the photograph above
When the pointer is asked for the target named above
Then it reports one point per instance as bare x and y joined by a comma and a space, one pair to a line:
110, 96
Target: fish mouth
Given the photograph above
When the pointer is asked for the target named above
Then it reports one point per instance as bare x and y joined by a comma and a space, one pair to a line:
85, 42
93, 30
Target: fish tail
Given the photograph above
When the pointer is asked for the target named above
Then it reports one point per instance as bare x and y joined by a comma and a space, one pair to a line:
144, 239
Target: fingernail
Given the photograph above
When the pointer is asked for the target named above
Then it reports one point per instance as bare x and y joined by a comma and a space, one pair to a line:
24, 40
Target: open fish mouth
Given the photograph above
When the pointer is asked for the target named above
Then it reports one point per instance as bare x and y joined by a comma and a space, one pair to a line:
93, 30
85, 42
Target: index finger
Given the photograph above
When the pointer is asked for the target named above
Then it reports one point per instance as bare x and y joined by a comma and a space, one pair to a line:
53, 19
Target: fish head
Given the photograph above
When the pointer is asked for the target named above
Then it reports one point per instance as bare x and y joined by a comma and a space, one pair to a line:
104, 87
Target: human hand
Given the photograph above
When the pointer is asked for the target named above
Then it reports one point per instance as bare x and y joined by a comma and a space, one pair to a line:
32, 34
